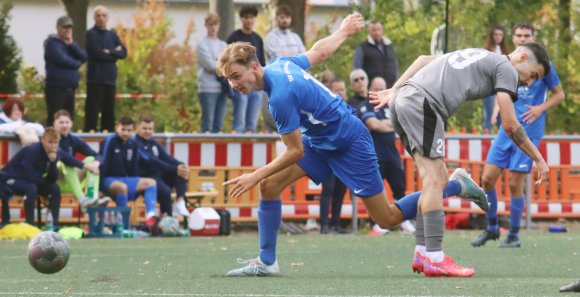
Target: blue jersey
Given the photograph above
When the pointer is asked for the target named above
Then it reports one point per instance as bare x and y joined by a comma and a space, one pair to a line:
298, 100
535, 94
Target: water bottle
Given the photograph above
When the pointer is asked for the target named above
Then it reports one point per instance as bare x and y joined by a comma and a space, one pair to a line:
48, 226
128, 233
120, 226
91, 185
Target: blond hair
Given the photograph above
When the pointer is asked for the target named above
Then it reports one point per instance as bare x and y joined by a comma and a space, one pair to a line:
242, 53
50, 132
212, 18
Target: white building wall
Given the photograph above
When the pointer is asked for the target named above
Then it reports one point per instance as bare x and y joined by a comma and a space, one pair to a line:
33, 20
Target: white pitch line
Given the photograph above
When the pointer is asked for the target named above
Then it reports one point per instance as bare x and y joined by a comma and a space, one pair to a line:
182, 294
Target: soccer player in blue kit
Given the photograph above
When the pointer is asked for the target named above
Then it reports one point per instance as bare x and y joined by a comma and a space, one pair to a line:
533, 101
322, 136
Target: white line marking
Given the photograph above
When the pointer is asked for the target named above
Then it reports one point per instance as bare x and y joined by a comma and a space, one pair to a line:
180, 294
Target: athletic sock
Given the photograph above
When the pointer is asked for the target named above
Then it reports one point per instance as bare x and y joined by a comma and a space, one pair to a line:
121, 200
269, 220
491, 214
408, 205
516, 209
150, 197
420, 234
453, 188
434, 222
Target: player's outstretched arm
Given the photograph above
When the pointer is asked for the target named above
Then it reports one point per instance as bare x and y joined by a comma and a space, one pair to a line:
325, 47
294, 152
383, 98
519, 136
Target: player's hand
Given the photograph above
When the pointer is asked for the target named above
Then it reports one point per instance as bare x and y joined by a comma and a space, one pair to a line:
494, 115
52, 156
93, 167
118, 48
352, 24
543, 172
533, 113
382, 98
241, 184
183, 171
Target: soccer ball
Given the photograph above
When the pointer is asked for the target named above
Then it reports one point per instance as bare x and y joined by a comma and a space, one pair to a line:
48, 252
169, 226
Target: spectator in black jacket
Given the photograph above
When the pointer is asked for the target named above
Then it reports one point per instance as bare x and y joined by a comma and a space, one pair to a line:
104, 48
119, 157
72, 168
30, 172
63, 58
159, 165
376, 56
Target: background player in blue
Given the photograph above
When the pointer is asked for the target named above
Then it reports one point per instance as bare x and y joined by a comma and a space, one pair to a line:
420, 102
531, 113
159, 165
119, 157
322, 136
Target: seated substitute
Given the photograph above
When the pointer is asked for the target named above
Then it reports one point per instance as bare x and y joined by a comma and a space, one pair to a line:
32, 171
119, 156
159, 165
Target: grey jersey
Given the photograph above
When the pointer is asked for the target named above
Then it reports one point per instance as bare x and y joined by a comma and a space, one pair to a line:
462, 75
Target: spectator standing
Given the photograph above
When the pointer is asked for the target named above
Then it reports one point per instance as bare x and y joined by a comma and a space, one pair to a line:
495, 42
164, 169
247, 106
63, 58
104, 48
376, 56
211, 90
119, 156
32, 171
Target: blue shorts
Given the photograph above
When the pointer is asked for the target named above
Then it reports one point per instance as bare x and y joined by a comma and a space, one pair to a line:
131, 183
505, 154
356, 166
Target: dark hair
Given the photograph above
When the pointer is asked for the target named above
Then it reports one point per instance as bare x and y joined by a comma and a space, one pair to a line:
125, 121
146, 118
51, 132
541, 55
61, 113
9, 104
248, 10
284, 10
523, 25
489, 43
337, 80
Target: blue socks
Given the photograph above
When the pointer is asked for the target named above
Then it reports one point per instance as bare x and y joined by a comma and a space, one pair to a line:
150, 197
516, 209
453, 188
269, 220
121, 200
491, 214
408, 204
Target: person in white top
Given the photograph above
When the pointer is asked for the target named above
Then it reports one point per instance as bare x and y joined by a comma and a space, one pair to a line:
281, 41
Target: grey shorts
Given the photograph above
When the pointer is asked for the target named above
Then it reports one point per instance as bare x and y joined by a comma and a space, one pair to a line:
419, 126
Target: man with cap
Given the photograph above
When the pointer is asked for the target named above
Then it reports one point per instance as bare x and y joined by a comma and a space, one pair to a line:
63, 58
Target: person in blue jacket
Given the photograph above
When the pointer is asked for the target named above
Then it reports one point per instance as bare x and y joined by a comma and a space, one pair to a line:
159, 165
62, 58
119, 157
32, 171
69, 180
104, 48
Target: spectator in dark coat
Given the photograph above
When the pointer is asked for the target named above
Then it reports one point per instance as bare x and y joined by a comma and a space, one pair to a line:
63, 58
104, 48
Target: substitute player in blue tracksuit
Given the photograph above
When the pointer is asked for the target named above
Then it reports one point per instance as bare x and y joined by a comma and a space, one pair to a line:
119, 157
30, 172
156, 163
322, 136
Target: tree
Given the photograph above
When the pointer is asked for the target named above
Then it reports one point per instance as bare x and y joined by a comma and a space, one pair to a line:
9, 53
77, 11
225, 9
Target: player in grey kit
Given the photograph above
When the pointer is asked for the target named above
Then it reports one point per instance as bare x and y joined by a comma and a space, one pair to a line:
424, 97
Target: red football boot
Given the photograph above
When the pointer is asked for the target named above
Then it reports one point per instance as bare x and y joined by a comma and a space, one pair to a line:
446, 268
418, 262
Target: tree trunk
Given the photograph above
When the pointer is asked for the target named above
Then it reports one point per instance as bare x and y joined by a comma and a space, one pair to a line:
298, 14
77, 11
564, 27
225, 9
